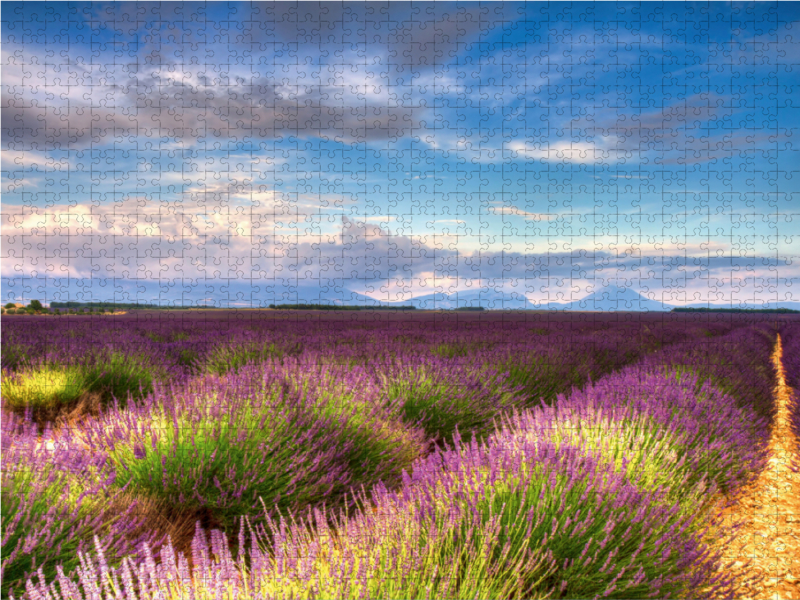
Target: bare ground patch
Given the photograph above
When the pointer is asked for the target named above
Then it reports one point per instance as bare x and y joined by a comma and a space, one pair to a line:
767, 547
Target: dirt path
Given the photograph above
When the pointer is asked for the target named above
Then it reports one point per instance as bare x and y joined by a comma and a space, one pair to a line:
770, 509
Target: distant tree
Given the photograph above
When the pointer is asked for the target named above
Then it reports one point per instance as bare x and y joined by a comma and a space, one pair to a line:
11, 305
35, 305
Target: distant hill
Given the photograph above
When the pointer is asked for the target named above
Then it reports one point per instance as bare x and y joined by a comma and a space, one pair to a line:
484, 298
246, 293
613, 298
610, 298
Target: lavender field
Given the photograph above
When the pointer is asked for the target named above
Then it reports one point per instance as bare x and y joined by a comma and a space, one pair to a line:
373, 454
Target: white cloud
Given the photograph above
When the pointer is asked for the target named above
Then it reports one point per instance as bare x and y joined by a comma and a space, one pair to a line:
18, 160
581, 152
501, 209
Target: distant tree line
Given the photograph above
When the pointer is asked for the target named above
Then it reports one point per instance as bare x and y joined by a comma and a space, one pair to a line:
736, 310
72, 304
120, 305
36, 308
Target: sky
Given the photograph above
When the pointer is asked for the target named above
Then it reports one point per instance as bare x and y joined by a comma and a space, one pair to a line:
243, 154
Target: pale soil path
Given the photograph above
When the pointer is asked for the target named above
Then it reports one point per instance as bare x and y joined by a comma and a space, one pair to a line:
770, 509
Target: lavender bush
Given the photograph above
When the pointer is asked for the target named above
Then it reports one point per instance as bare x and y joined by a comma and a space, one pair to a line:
44, 388
48, 391
231, 357
219, 444
663, 430
442, 395
54, 503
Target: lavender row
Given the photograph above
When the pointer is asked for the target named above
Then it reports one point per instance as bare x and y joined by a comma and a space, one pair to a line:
532, 521
790, 338
739, 363
56, 367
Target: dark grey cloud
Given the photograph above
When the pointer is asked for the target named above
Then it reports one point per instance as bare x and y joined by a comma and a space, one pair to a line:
156, 108
325, 70
699, 128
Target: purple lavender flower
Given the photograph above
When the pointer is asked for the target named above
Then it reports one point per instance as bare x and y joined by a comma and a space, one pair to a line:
55, 500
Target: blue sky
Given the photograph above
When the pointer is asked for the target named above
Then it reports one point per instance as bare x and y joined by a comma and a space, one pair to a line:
179, 151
